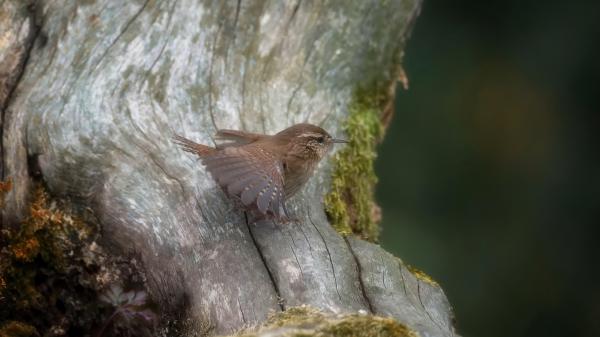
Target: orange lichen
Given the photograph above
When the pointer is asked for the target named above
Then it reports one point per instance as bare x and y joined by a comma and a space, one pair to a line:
25, 250
37, 234
5, 187
39, 249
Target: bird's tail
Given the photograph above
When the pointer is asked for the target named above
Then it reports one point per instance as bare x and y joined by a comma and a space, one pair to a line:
193, 147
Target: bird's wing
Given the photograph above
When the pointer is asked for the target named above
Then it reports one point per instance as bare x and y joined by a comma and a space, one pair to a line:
227, 138
250, 174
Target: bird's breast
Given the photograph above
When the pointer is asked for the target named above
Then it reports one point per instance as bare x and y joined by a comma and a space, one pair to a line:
297, 171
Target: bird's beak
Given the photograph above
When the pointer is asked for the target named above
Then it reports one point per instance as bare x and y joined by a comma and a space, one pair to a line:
339, 141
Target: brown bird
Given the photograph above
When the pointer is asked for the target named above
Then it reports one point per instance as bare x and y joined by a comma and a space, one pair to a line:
259, 172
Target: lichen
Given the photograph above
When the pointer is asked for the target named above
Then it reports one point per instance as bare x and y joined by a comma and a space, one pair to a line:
310, 322
350, 204
48, 232
5, 187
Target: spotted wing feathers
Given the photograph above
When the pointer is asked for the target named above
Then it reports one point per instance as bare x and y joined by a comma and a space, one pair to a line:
251, 175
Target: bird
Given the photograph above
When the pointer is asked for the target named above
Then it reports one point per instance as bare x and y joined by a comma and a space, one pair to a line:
260, 172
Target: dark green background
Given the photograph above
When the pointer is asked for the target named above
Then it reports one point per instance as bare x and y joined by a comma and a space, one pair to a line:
489, 175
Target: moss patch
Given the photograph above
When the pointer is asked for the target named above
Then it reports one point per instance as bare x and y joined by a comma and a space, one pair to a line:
422, 276
350, 203
37, 267
307, 321
52, 270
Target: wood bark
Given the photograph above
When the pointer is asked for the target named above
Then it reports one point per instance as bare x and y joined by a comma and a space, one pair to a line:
95, 90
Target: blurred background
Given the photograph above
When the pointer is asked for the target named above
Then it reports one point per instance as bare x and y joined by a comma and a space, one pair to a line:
490, 171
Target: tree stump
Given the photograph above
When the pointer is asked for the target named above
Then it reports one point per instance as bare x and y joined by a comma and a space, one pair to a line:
92, 92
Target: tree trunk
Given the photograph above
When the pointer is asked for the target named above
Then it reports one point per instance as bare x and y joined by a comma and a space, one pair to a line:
92, 92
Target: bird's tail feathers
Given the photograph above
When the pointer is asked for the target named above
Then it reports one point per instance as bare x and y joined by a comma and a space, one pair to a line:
193, 147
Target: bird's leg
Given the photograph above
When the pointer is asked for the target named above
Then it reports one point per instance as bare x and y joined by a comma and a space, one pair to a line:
256, 218
286, 218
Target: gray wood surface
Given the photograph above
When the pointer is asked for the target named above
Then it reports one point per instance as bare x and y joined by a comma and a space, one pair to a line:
107, 83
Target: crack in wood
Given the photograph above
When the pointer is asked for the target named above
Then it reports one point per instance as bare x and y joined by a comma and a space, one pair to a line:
359, 272
425, 308
114, 41
328, 255
236, 19
280, 299
310, 249
403, 281
28, 44
279, 45
241, 311
298, 262
294, 11
166, 41
161, 167
104, 54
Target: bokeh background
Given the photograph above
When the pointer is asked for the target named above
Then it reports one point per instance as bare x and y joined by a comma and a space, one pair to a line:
489, 173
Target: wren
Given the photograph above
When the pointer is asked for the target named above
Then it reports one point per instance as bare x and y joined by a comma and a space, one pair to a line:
260, 172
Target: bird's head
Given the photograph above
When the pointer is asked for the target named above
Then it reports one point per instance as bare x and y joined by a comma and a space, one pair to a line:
309, 140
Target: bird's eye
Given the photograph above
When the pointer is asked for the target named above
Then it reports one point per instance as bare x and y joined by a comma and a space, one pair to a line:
321, 139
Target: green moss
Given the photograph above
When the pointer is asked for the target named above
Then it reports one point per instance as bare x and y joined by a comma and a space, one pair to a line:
295, 316
310, 322
367, 326
350, 203
421, 275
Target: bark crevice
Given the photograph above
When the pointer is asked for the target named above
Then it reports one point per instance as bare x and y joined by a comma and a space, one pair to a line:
280, 299
121, 33
29, 44
328, 256
360, 276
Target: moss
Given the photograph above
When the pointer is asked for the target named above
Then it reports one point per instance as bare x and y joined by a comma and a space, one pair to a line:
52, 270
48, 233
40, 246
422, 276
367, 326
307, 321
43, 278
17, 329
350, 203
295, 316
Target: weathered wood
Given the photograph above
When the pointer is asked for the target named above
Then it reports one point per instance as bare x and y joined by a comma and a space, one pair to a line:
106, 85
395, 291
17, 30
